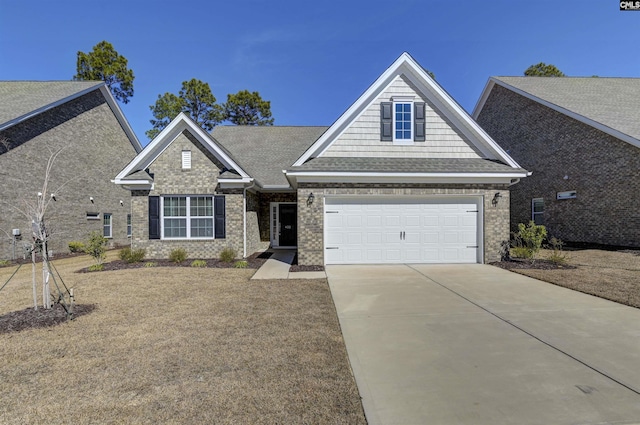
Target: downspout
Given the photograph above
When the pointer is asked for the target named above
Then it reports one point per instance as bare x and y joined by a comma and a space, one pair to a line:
244, 217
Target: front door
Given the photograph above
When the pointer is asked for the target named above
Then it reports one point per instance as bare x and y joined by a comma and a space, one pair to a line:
287, 214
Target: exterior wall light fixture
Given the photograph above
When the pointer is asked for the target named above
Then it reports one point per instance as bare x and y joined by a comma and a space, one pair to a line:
310, 199
494, 201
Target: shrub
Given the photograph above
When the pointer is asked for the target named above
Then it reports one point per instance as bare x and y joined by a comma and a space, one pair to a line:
557, 256
241, 264
96, 267
76, 246
96, 246
4, 263
150, 264
178, 255
199, 263
132, 255
227, 255
527, 241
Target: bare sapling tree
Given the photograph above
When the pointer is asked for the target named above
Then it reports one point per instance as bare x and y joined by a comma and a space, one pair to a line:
34, 208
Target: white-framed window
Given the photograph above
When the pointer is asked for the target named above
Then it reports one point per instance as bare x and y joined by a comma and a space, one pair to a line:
403, 122
107, 225
128, 225
93, 215
187, 217
537, 210
186, 160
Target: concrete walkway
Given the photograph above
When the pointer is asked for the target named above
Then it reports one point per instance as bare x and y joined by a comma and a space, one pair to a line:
277, 267
474, 344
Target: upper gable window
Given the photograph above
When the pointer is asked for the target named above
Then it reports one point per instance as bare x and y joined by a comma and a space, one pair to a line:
402, 121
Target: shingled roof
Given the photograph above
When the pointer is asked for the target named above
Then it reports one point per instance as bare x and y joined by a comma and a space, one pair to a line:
265, 151
405, 165
611, 102
21, 99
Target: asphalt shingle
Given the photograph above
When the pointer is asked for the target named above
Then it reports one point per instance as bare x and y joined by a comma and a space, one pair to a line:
19, 98
405, 165
265, 151
613, 102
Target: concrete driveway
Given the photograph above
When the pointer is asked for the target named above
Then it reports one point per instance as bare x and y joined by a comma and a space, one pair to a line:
474, 344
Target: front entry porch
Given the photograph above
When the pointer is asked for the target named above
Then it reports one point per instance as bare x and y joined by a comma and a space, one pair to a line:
283, 218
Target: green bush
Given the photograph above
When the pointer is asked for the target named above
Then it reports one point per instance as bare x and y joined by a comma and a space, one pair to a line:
132, 255
4, 263
527, 241
178, 255
96, 246
199, 263
96, 267
76, 246
241, 264
150, 264
227, 255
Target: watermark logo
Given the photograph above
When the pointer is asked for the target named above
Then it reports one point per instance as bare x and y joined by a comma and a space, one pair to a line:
630, 5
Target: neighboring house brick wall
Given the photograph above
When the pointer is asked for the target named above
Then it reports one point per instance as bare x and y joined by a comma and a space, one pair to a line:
362, 138
201, 179
602, 169
311, 217
95, 149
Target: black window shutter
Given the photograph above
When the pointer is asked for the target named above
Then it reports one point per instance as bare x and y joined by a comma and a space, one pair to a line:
386, 121
154, 217
219, 217
418, 122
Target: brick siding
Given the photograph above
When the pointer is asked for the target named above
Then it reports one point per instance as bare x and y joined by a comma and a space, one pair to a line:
96, 148
601, 168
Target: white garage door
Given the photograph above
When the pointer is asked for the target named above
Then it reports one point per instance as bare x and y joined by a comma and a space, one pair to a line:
401, 230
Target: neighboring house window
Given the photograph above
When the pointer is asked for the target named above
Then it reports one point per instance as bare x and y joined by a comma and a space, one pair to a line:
128, 225
93, 216
537, 210
402, 122
187, 217
106, 225
186, 160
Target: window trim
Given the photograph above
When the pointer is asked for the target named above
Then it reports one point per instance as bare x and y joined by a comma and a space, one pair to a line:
105, 226
188, 218
533, 211
403, 141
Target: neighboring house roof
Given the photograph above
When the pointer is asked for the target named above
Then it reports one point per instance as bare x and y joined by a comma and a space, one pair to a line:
265, 151
406, 66
21, 100
609, 104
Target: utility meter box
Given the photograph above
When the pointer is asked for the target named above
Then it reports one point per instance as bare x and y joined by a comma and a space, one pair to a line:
16, 232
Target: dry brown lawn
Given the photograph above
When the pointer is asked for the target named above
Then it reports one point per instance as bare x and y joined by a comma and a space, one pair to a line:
614, 275
178, 346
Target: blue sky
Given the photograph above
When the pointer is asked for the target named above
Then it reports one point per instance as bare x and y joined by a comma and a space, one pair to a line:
313, 59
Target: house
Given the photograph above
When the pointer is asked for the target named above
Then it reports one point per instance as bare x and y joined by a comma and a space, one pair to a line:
581, 139
403, 176
81, 118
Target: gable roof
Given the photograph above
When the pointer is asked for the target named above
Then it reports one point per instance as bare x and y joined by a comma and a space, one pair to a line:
153, 150
406, 66
265, 151
608, 104
21, 100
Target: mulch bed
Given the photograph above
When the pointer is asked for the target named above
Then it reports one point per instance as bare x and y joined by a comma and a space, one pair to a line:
521, 263
29, 318
253, 262
295, 267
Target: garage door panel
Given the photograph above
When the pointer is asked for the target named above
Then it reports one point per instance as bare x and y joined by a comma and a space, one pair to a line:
398, 230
